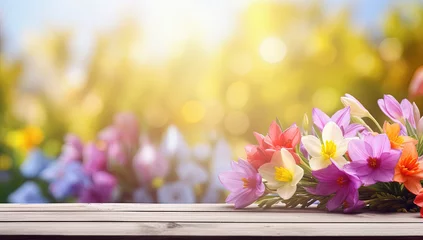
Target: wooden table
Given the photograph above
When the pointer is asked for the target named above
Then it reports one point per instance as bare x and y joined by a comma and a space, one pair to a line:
205, 221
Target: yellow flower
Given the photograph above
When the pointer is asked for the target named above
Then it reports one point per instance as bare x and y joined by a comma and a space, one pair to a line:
26, 138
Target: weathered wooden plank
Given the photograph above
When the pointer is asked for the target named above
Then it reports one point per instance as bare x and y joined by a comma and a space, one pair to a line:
211, 229
234, 217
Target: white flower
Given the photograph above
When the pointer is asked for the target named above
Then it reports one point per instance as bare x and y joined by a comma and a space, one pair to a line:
334, 146
282, 173
357, 109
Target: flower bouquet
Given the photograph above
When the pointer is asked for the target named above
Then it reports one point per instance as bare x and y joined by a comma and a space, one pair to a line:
340, 163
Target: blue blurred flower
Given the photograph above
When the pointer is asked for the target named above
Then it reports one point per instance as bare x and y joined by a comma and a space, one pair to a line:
29, 192
35, 162
177, 192
141, 195
66, 179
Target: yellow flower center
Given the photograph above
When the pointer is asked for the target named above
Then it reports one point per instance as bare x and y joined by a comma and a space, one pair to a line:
283, 174
245, 182
328, 150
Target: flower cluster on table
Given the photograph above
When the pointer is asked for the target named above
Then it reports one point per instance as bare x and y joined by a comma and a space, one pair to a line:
339, 162
122, 165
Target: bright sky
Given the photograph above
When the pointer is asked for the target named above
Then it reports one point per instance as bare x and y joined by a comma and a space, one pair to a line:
163, 23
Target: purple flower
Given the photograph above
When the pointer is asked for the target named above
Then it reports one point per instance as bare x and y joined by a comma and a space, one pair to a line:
397, 112
66, 179
95, 158
72, 149
244, 183
342, 118
372, 159
334, 180
100, 190
116, 154
34, 164
29, 192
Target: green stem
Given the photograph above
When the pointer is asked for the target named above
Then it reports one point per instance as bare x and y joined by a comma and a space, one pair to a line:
377, 124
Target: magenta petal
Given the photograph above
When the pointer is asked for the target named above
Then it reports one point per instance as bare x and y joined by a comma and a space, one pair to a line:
379, 143
329, 174
352, 130
325, 188
359, 168
337, 200
342, 117
390, 159
392, 107
320, 118
407, 110
383, 175
359, 150
231, 180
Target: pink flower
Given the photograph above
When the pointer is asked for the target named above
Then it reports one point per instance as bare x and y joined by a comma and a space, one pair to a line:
72, 149
148, 163
244, 183
116, 154
398, 112
372, 159
275, 140
100, 190
342, 118
125, 129
95, 157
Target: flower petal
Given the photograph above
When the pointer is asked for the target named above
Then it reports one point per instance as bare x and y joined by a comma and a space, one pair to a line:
331, 132
312, 145
286, 191
317, 163
357, 150
320, 118
342, 117
288, 160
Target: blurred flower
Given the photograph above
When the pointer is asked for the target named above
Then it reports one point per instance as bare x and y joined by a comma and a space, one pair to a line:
357, 109
342, 118
334, 146
416, 85
202, 152
333, 180
177, 192
397, 112
66, 179
148, 163
212, 194
116, 154
141, 195
173, 145
372, 159
282, 174
128, 127
409, 169
100, 189
26, 138
34, 163
94, 156
221, 161
72, 149
191, 173
393, 132
275, 140
29, 192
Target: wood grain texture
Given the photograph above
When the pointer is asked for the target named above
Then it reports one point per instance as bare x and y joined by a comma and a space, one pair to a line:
197, 220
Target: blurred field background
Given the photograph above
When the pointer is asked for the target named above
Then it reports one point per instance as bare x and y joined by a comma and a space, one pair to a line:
211, 68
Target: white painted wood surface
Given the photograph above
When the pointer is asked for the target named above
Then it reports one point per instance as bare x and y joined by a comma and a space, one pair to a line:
198, 220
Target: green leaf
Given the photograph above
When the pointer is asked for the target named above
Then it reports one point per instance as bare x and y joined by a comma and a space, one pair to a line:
410, 130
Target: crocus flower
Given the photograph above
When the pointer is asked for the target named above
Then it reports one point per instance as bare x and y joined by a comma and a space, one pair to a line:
397, 112
35, 162
29, 192
100, 189
66, 179
342, 118
393, 131
419, 201
334, 146
282, 174
244, 183
416, 84
148, 163
275, 140
372, 159
409, 169
334, 180
72, 149
177, 192
95, 157
357, 109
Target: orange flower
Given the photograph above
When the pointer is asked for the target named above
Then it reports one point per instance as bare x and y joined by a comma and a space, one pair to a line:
419, 201
393, 132
409, 169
